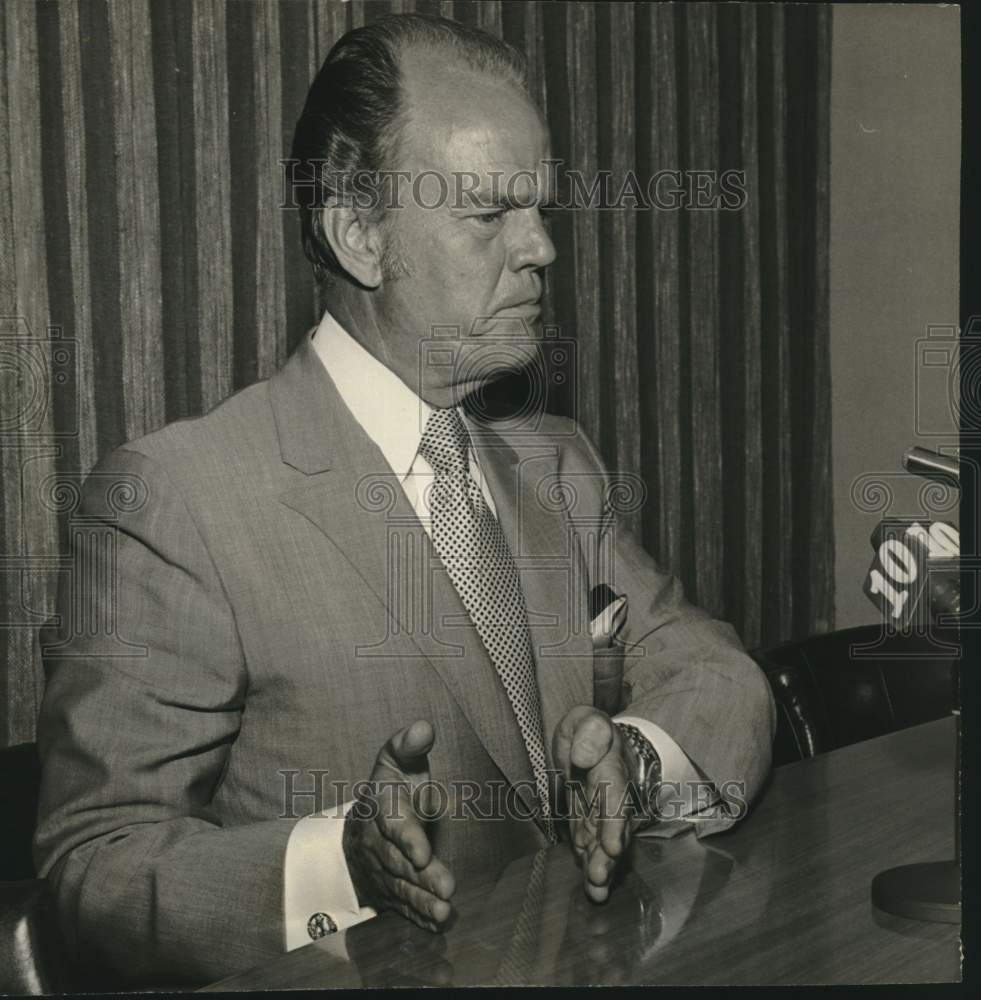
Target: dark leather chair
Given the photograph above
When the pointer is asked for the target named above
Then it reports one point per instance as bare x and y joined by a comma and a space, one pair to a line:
842, 687
30, 959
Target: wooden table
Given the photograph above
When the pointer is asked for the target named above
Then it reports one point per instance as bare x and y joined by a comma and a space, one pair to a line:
781, 898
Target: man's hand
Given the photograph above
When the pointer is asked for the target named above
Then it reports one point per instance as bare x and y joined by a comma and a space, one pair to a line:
387, 850
590, 750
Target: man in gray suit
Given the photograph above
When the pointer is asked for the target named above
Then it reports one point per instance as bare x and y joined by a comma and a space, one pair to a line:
340, 578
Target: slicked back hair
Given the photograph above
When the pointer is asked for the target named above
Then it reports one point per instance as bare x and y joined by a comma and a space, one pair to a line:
355, 111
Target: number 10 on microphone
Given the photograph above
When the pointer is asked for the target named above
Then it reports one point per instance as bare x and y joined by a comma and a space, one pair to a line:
898, 575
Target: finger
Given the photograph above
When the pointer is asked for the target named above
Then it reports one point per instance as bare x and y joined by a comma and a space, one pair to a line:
597, 893
608, 783
394, 862
410, 914
613, 835
592, 741
598, 867
564, 732
408, 835
426, 802
582, 836
423, 904
410, 838
435, 878
405, 749
438, 879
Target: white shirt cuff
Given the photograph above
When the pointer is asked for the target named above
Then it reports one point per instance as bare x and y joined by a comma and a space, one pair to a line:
316, 879
684, 792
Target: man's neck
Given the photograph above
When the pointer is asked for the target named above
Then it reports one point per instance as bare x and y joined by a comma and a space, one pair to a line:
352, 308
361, 315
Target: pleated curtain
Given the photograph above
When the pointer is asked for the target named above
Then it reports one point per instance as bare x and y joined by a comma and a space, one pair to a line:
148, 269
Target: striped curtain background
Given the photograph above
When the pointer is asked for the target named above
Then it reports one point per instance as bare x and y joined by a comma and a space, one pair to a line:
147, 270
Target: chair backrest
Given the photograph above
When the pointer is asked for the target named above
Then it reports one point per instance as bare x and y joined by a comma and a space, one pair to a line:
30, 955
20, 779
843, 687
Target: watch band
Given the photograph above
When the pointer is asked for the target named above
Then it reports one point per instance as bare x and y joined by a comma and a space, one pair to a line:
649, 777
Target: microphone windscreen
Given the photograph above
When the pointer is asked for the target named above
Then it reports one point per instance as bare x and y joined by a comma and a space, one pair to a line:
896, 579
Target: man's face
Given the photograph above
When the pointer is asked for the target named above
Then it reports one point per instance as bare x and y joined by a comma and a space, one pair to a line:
469, 232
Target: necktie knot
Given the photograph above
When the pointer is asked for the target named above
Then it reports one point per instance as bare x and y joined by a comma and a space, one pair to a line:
445, 442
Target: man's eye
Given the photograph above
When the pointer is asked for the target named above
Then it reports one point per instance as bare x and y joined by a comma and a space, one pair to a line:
488, 218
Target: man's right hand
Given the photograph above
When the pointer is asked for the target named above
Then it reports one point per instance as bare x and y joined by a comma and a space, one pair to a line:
388, 853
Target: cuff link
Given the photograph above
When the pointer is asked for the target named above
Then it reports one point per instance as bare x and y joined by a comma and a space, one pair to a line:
320, 925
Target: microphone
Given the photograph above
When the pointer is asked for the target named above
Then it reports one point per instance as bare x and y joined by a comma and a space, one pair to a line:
897, 576
915, 575
932, 465
912, 560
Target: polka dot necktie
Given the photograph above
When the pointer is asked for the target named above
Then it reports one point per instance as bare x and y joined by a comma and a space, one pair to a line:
472, 547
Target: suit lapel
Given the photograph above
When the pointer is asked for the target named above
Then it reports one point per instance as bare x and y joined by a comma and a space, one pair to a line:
354, 498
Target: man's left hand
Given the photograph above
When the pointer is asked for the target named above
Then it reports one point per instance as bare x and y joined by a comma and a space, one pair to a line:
590, 749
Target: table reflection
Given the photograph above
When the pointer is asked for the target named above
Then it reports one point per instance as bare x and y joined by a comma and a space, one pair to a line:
545, 930
782, 898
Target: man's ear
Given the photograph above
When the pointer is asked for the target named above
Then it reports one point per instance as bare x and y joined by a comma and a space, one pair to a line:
355, 242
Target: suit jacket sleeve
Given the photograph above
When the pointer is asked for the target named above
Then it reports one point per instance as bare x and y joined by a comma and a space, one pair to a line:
687, 672
145, 688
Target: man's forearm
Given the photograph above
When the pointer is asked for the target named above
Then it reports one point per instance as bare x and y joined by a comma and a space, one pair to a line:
174, 902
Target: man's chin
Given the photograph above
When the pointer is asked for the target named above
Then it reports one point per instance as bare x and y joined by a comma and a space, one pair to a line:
497, 348
489, 360
518, 323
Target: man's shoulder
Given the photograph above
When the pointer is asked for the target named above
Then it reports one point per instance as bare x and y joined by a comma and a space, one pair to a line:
238, 428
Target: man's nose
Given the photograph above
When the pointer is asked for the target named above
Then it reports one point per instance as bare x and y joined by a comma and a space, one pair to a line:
533, 246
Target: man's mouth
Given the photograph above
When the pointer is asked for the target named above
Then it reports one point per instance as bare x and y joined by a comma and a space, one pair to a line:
526, 307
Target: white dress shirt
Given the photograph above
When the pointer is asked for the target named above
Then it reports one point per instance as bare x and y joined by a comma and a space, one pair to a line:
316, 878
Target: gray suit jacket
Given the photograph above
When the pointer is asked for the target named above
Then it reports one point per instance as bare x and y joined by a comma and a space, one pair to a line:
277, 609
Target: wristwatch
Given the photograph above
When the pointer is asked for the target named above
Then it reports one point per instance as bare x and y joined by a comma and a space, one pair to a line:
649, 768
